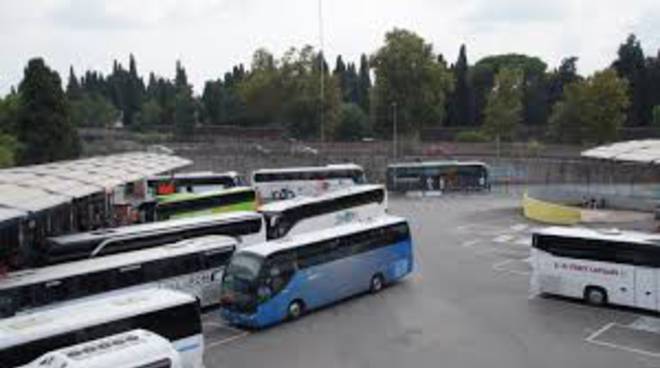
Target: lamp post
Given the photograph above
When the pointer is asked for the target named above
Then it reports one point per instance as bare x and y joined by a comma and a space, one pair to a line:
394, 129
321, 59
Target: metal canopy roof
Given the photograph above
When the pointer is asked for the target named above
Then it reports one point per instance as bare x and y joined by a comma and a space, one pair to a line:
29, 199
10, 214
34, 188
642, 151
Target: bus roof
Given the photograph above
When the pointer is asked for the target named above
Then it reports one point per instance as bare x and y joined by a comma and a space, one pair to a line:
265, 249
134, 347
21, 329
155, 227
349, 166
437, 163
64, 270
615, 235
283, 205
195, 175
182, 197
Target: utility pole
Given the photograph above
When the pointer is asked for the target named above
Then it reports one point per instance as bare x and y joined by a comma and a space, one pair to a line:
321, 58
394, 129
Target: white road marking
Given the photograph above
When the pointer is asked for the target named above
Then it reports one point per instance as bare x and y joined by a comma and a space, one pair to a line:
470, 243
500, 266
600, 331
527, 241
519, 227
592, 339
504, 238
222, 325
649, 324
227, 340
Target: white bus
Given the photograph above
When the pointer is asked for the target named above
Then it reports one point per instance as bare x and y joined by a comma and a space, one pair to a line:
193, 266
194, 182
304, 214
277, 184
247, 227
134, 349
170, 314
600, 266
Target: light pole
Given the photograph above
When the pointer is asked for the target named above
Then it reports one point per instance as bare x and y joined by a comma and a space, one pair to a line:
321, 59
394, 129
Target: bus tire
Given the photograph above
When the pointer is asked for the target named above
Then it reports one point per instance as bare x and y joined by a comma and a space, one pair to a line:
595, 295
295, 310
377, 283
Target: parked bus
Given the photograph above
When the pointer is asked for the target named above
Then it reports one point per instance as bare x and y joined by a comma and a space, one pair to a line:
277, 184
438, 176
133, 349
246, 227
304, 214
599, 266
282, 279
193, 266
183, 205
170, 314
196, 182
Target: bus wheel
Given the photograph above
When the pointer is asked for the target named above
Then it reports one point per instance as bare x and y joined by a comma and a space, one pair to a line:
295, 310
595, 295
376, 283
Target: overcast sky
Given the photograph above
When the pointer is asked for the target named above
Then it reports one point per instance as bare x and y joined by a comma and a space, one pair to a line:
210, 36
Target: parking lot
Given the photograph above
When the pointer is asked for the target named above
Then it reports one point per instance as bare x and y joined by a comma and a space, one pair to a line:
467, 304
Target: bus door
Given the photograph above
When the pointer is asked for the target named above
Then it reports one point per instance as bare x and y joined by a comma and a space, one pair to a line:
646, 288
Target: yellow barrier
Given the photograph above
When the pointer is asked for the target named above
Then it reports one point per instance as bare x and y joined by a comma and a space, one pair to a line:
549, 212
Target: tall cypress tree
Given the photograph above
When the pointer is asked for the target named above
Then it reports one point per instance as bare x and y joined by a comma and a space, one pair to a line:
364, 84
460, 102
630, 65
73, 89
340, 74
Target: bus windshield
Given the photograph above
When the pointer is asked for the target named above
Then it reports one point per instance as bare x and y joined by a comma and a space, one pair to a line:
244, 266
276, 224
239, 283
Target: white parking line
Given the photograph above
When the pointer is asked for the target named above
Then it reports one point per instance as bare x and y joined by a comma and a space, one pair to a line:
470, 243
592, 339
500, 267
222, 325
227, 340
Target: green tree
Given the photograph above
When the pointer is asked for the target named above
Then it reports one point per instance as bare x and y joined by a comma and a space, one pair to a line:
656, 116
630, 65
9, 113
73, 88
561, 77
44, 124
504, 108
408, 74
185, 114
364, 84
9, 148
592, 111
93, 110
482, 79
353, 123
459, 109
151, 114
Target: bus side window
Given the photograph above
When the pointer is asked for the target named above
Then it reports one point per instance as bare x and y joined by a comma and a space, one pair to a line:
216, 259
130, 275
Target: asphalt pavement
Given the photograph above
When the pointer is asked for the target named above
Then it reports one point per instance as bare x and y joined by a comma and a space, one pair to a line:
466, 305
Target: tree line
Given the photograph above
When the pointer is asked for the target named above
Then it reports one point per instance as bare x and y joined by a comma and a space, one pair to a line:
405, 79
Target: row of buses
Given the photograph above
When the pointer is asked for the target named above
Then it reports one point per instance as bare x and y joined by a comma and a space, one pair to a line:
322, 235
187, 252
151, 263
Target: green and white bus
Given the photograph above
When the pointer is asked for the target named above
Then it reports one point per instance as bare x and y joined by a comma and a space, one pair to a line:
182, 205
